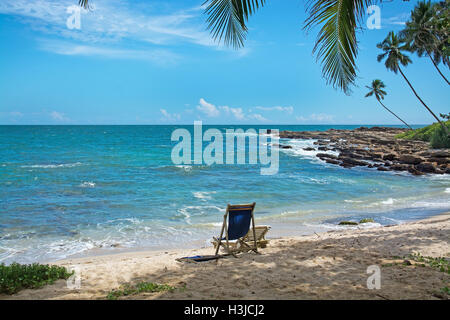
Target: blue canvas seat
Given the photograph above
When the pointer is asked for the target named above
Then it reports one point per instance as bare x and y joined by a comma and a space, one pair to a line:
236, 225
236, 234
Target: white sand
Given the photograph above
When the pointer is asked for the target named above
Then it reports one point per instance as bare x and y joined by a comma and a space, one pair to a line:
329, 265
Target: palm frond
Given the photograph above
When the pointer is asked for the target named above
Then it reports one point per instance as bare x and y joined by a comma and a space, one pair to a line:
381, 56
392, 47
84, 3
227, 19
336, 43
376, 88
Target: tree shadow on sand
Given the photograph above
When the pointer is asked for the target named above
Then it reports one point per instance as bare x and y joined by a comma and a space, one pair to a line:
327, 268
332, 265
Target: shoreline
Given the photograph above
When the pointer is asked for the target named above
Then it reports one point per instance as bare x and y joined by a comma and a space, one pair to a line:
298, 267
292, 226
97, 217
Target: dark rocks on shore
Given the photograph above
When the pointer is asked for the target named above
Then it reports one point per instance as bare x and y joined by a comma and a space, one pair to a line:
399, 167
440, 154
426, 167
353, 162
332, 161
414, 171
410, 159
375, 147
281, 146
439, 160
326, 155
389, 156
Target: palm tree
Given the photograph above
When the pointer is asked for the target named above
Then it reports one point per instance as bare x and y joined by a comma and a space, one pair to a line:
393, 47
336, 44
441, 27
376, 89
420, 33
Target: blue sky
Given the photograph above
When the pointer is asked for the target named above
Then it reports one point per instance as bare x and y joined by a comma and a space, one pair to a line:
153, 62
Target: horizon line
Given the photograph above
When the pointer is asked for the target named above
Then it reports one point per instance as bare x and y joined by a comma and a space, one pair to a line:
219, 124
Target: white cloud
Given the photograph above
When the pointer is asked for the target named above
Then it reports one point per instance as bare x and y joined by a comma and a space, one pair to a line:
111, 20
169, 116
158, 56
288, 109
111, 23
399, 19
236, 112
16, 114
59, 116
258, 117
239, 114
11, 116
208, 108
320, 117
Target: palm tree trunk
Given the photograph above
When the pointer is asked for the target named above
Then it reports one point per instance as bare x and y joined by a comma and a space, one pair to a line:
394, 114
437, 68
432, 113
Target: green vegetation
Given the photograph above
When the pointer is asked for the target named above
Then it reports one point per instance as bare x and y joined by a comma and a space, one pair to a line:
348, 223
442, 264
440, 139
141, 287
432, 133
393, 47
366, 220
426, 33
423, 134
16, 277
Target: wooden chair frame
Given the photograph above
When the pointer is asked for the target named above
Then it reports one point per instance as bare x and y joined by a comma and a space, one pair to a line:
240, 241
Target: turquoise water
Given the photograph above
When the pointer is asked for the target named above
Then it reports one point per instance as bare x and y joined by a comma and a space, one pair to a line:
77, 190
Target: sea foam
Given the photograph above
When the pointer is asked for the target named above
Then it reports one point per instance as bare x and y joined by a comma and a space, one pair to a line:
53, 166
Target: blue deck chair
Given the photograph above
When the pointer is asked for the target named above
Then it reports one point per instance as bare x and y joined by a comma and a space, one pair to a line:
236, 225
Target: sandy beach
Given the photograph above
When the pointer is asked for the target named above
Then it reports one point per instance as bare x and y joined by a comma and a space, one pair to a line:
330, 265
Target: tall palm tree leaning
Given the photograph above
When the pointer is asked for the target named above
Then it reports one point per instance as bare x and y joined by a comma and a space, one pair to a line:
336, 44
393, 47
422, 35
376, 89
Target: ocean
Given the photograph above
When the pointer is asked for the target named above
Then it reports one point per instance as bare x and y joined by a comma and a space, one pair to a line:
70, 191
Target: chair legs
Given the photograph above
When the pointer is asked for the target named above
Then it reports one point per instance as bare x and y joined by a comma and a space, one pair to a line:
240, 245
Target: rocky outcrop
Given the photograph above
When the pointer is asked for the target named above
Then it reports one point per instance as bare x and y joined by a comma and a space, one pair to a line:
375, 148
410, 159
